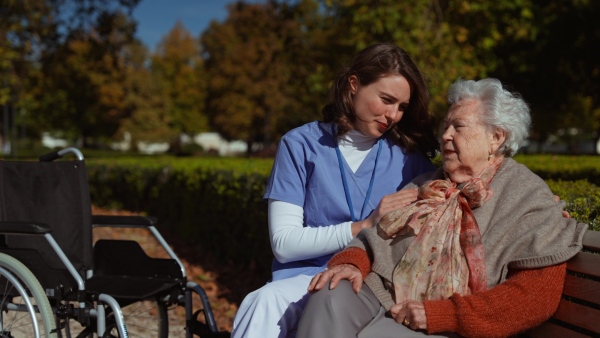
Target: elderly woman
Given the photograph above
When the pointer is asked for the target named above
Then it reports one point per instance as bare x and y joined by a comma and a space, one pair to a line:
481, 253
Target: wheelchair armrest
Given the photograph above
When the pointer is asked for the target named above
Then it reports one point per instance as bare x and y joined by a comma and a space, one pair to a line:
24, 228
123, 221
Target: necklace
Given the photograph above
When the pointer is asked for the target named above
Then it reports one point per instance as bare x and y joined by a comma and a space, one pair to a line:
345, 182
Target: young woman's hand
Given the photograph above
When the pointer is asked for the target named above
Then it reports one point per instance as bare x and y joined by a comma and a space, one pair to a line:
395, 201
388, 203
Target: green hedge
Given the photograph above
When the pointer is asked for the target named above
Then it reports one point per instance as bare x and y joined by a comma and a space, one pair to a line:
216, 203
583, 200
210, 202
563, 167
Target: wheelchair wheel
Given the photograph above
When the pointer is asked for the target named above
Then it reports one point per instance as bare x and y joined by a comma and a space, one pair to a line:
143, 319
24, 305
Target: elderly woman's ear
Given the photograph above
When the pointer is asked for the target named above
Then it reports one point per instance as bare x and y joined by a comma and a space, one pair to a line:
498, 138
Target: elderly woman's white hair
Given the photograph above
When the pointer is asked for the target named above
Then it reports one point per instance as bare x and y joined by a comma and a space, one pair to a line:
503, 109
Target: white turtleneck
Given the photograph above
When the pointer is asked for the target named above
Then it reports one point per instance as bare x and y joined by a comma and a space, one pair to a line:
355, 146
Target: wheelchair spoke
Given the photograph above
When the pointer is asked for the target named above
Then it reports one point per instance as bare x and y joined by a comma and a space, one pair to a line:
25, 310
147, 319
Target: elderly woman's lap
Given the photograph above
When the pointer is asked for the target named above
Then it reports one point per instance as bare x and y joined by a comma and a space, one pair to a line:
342, 313
338, 312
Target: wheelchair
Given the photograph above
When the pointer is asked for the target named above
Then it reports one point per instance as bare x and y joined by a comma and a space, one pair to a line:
55, 282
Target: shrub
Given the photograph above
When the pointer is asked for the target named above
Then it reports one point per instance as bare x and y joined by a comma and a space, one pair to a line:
563, 167
583, 200
210, 202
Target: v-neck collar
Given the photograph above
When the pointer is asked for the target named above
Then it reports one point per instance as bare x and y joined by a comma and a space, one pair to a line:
360, 143
342, 164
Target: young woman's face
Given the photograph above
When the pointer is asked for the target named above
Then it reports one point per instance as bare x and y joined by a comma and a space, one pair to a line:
379, 105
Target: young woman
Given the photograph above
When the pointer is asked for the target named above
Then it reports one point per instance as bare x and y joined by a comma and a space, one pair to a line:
335, 177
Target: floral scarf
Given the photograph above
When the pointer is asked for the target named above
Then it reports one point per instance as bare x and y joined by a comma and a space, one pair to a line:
447, 255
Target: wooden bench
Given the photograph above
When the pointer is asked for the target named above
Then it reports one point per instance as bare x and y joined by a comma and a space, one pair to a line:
578, 314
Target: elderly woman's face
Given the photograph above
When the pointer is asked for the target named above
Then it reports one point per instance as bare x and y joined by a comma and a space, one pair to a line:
466, 143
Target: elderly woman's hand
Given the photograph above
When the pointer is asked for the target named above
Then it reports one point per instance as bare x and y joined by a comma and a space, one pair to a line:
410, 313
564, 212
335, 274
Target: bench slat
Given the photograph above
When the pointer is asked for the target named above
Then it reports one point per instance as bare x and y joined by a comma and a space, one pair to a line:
586, 263
552, 330
578, 315
573, 314
591, 240
582, 288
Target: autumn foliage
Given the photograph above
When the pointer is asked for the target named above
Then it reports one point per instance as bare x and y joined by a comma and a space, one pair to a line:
76, 67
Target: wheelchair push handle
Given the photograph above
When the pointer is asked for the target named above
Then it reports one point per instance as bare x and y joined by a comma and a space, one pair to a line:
60, 153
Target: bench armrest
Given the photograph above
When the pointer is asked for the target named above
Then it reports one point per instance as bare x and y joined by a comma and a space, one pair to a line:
591, 240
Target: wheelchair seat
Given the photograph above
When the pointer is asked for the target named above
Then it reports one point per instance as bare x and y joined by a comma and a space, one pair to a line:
123, 270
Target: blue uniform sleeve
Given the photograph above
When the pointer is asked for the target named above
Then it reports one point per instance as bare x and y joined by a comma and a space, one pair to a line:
287, 181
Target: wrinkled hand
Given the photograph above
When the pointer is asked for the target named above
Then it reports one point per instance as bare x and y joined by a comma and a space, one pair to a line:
410, 313
564, 212
335, 274
392, 202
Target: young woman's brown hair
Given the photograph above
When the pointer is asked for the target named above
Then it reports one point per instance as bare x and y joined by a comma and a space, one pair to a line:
415, 129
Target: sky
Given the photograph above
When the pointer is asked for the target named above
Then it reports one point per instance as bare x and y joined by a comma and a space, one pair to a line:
156, 18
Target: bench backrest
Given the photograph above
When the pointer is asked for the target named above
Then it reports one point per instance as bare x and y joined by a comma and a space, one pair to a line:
578, 313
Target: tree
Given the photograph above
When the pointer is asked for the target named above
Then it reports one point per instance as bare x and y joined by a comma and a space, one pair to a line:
83, 91
27, 29
555, 67
146, 101
32, 34
421, 28
248, 60
24, 28
178, 65
309, 60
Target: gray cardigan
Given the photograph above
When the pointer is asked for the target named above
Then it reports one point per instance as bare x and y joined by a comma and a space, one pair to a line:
521, 227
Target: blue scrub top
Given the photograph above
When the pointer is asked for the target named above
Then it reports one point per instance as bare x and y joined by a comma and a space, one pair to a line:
306, 173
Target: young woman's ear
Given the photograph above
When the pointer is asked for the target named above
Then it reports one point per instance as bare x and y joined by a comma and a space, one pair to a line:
353, 80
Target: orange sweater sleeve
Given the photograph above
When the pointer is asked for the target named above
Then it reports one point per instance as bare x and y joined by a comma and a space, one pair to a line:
355, 256
524, 300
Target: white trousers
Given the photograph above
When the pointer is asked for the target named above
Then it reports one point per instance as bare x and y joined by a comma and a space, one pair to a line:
274, 310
